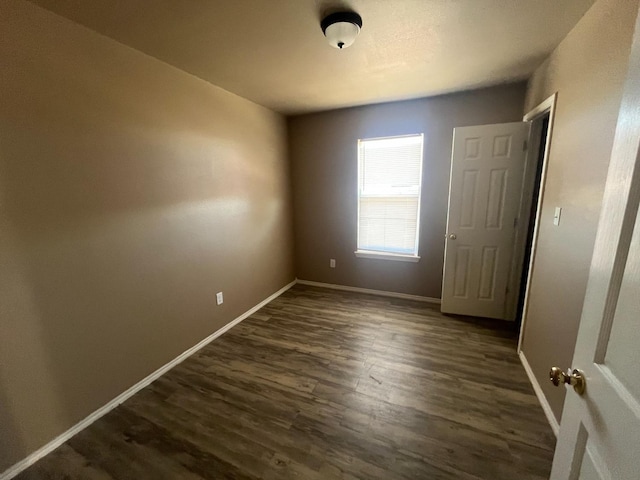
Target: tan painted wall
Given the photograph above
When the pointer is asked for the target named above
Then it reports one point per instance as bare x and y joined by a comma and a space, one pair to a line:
324, 170
130, 192
587, 70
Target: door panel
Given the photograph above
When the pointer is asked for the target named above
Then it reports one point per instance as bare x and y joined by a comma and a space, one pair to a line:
600, 429
488, 269
469, 199
463, 266
484, 196
621, 355
497, 196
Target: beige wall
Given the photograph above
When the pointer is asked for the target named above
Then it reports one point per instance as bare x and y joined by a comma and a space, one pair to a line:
587, 70
324, 170
130, 192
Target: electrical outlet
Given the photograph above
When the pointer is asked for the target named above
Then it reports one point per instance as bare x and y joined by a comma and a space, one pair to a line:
219, 298
332, 262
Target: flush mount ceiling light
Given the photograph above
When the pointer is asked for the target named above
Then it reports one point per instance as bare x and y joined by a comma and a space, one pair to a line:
341, 28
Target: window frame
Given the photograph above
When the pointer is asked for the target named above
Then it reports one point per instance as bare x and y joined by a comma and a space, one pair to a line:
381, 254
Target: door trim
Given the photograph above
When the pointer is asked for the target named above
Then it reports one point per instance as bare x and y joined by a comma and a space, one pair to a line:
547, 106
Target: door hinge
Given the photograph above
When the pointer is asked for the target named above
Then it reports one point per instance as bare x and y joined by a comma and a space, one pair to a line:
515, 222
525, 145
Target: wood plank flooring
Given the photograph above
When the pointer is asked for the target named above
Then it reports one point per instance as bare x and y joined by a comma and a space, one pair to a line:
322, 384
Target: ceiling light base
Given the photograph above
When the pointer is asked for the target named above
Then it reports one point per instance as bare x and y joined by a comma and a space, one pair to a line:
341, 28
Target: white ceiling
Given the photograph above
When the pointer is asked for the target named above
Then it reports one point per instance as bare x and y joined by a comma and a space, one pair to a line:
273, 51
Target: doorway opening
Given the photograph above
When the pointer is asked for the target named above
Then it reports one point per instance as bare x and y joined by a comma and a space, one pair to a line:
541, 119
541, 131
493, 219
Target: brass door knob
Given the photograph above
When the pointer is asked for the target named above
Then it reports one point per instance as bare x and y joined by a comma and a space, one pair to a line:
574, 378
453, 236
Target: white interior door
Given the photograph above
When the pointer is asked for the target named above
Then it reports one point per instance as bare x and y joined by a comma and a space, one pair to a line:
485, 190
600, 430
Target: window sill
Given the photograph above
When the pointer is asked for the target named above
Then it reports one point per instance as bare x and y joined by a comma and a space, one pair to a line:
398, 257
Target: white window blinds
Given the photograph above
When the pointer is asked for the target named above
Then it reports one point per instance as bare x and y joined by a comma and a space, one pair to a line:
389, 181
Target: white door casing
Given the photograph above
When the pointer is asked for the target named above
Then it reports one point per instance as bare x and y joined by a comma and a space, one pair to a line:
600, 430
487, 167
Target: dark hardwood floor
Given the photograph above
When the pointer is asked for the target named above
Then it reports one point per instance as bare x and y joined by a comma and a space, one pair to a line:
321, 384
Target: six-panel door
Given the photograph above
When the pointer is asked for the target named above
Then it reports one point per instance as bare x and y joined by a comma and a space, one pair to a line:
485, 191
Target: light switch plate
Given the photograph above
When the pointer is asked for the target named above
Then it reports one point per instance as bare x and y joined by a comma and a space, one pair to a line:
556, 216
219, 298
332, 263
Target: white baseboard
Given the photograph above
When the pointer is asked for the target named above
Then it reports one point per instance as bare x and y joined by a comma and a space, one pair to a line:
369, 291
551, 418
60, 439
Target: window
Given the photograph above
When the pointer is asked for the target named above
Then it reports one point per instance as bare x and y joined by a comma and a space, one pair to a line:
389, 181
